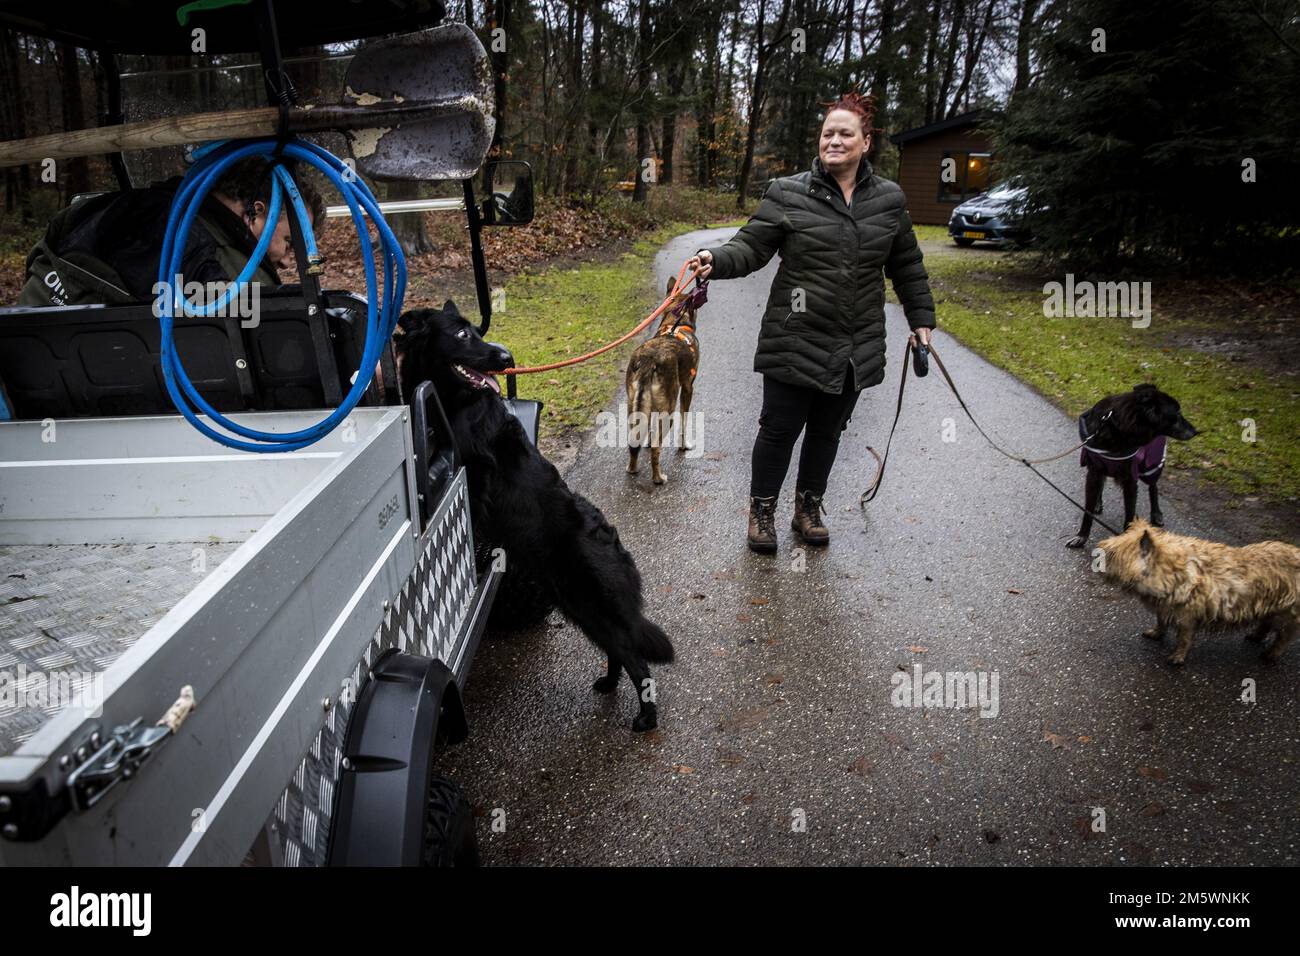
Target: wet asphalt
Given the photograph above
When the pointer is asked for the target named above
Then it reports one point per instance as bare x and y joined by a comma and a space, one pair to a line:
779, 740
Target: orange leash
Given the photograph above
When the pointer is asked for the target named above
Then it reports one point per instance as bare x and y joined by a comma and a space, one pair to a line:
682, 282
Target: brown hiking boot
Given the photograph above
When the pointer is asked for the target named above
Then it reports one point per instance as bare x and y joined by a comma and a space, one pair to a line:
762, 525
807, 522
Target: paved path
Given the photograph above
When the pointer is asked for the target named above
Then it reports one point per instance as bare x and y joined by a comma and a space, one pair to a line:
778, 743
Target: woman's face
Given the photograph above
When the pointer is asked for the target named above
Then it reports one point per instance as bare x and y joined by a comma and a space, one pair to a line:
842, 142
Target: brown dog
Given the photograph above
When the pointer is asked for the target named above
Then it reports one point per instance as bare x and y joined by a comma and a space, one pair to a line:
661, 373
1191, 583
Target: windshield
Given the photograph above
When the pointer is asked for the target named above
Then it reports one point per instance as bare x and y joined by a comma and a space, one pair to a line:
1006, 191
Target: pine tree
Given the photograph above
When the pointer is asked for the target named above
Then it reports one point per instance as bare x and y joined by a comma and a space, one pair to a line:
1135, 141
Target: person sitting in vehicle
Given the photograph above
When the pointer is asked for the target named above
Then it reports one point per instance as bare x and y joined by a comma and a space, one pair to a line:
106, 249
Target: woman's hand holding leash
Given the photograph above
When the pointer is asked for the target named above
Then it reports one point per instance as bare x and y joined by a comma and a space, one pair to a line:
920, 351
703, 261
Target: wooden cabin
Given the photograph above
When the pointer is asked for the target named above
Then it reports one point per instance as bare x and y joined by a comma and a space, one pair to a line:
932, 195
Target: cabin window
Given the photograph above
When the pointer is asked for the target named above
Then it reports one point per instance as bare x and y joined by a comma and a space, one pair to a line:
963, 174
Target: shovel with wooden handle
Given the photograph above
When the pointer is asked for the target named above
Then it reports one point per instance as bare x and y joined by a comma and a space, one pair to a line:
417, 106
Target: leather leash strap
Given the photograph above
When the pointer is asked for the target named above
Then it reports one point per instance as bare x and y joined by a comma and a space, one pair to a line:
1029, 463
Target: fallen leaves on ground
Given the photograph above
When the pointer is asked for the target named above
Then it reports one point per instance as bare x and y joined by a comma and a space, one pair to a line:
745, 720
1058, 741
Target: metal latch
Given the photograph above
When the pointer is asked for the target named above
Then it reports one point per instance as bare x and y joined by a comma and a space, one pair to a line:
126, 750
129, 746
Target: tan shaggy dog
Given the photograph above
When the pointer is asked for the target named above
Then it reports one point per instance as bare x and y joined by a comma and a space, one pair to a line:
1191, 583
660, 373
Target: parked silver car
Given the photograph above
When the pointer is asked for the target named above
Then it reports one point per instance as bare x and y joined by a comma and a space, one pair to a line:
995, 216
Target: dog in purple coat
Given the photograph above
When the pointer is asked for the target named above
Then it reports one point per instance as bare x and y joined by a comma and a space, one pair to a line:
1124, 438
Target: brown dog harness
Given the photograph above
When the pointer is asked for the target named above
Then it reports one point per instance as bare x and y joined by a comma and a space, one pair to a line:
685, 333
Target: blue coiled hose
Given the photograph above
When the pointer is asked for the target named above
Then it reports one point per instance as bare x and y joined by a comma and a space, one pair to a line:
381, 316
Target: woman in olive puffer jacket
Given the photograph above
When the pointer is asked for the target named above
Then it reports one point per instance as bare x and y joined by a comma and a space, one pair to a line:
840, 229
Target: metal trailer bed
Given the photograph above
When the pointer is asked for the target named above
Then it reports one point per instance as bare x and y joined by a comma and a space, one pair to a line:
137, 558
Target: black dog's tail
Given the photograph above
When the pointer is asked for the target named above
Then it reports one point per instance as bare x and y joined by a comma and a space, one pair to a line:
653, 644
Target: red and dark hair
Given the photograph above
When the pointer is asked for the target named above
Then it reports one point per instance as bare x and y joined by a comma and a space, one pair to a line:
863, 107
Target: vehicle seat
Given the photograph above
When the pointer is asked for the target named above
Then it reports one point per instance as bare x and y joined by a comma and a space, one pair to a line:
528, 412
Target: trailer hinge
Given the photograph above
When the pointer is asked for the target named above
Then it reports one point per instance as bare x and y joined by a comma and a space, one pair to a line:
126, 750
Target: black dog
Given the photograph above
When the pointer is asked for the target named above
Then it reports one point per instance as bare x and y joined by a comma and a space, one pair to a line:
1125, 440
560, 550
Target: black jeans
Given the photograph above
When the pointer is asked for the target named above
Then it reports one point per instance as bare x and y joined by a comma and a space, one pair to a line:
787, 411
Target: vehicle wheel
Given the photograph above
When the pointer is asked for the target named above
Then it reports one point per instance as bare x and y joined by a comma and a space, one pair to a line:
449, 838
963, 241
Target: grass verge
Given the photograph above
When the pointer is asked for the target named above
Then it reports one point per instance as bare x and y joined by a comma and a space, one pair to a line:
558, 313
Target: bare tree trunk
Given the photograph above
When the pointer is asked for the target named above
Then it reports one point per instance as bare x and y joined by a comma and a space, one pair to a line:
950, 57
75, 174
575, 97
848, 46
676, 82
1024, 41
762, 60
974, 50
596, 97
500, 74
931, 57
640, 192
726, 97
707, 97
884, 58
18, 181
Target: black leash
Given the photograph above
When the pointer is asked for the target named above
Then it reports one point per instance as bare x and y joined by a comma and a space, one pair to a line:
920, 355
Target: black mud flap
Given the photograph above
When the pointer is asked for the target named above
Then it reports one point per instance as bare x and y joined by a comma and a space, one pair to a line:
409, 704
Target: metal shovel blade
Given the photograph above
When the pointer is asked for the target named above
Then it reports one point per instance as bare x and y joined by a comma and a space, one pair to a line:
446, 71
